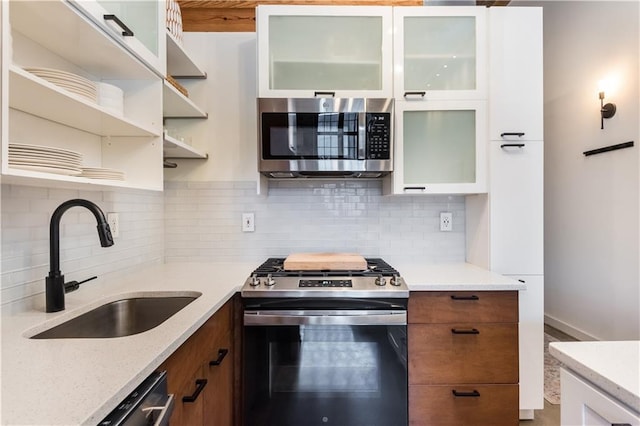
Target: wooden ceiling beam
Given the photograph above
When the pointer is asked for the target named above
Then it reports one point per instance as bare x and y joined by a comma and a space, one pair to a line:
239, 15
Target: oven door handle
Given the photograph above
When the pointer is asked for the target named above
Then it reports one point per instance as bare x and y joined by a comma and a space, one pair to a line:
325, 317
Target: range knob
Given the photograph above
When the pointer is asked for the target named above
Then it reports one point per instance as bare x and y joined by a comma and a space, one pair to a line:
395, 280
381, 280
255, 281
269, 280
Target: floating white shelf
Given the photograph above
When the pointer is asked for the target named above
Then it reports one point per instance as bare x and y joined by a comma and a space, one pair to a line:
179, 62
174, 148
177, 105
38, 97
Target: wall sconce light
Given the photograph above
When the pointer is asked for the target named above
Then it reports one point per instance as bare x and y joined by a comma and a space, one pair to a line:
607, 110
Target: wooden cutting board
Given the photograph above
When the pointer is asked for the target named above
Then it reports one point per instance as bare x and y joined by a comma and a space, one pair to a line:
325, 261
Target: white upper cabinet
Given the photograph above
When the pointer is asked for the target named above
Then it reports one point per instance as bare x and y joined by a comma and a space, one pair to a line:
441, 148
138, 25
341, 51
516, 82
440, 52
67, 85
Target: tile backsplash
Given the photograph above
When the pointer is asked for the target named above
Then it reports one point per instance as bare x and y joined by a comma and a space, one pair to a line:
26, 212
203, 221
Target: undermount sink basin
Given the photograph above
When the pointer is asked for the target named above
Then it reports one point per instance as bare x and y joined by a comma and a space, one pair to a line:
122, 317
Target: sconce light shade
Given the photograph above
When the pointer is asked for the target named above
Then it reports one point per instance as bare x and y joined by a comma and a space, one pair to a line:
607, 110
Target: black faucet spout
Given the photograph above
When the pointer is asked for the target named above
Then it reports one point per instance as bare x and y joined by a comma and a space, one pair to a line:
54, 283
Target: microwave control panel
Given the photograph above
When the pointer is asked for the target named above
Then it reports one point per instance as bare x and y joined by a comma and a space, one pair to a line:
378, 136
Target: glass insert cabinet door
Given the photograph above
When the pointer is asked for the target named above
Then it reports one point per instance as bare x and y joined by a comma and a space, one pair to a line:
332, 49
139, 25
441, 147
440, 52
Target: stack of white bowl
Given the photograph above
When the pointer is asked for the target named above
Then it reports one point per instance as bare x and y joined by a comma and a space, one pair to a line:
111, 97
174, 20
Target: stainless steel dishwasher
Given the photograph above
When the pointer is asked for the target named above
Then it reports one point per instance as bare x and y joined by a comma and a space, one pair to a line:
148, 405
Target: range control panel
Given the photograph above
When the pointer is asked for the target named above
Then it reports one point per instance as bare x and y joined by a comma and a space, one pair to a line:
325, 283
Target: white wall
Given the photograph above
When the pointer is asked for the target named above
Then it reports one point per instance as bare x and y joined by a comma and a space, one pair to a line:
25, 216
592, 286
204, 200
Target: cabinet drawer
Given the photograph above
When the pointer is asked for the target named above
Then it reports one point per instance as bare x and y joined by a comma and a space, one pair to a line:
490, 405
463, 353
202, 344
467, 306
183, 384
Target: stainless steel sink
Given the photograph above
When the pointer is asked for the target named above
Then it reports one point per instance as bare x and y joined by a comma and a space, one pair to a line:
119, 318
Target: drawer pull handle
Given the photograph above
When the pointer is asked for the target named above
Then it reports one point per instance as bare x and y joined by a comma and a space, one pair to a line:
620, 424
332, 94
125, 30
421, 94
465, 331
473, 394
512, 145
221, 354
472, 297
518, 134
200, 384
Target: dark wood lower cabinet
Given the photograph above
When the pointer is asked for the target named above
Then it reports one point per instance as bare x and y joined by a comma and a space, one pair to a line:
474, 405
463, 358
201, 374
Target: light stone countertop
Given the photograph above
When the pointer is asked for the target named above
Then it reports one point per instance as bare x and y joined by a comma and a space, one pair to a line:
612, 366
454, 276
79, 381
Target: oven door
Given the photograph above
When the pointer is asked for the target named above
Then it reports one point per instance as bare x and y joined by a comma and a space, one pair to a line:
323, 367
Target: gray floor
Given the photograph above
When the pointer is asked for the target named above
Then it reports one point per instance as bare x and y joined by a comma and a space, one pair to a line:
550, 415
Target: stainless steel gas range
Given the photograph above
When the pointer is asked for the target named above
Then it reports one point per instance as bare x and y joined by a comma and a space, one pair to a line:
325, 347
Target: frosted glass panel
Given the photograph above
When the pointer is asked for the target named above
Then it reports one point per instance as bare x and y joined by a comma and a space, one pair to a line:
440, 53
439, 146
140, 16
327, 52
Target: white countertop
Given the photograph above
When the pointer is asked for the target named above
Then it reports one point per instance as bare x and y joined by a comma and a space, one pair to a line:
79, 381
612, 366
454, 276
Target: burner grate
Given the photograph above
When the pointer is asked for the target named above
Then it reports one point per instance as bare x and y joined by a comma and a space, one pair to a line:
275, 267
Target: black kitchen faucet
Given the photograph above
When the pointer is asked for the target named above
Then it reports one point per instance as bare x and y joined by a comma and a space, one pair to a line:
55, 286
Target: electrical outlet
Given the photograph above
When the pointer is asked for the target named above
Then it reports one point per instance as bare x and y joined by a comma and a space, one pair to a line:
114, 224
446, 221
248, 224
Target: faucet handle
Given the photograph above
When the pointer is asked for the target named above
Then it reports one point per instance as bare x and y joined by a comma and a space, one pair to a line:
74, 285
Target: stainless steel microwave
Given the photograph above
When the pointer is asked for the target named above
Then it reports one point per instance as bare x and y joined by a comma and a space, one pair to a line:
325, 137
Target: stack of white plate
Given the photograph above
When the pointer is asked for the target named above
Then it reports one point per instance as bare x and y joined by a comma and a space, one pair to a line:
45, 159
102, 173
71, 82
111, 97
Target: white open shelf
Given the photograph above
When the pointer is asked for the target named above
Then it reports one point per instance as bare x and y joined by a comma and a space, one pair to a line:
38, 97
174, 148
179, 62
177, 105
